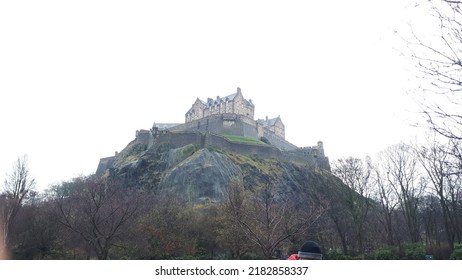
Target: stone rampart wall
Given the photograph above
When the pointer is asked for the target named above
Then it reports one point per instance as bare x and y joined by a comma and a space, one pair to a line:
278, 141
178, 139
234, 124
104, 164
221, 124
205, 140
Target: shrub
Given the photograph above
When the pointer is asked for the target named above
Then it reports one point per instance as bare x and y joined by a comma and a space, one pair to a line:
457, 253
414, 251
334, 254
386, 253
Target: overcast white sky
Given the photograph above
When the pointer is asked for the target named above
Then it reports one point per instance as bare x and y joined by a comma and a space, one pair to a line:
78, 78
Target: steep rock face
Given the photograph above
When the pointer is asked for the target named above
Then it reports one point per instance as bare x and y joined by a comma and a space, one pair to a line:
204, 174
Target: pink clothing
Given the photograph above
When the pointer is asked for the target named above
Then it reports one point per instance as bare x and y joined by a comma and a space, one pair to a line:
293, 257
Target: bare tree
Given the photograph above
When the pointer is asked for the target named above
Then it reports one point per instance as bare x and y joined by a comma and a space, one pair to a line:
230, 232
269, 218
443, 174
387, 200
3, 249
356, 174
431, 213
400, 166
17, 189
436, 53
99, 211
167, 228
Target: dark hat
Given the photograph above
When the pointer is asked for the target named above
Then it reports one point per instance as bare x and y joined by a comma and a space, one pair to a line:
310, 250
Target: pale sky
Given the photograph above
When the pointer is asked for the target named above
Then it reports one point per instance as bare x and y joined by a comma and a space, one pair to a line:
78, 78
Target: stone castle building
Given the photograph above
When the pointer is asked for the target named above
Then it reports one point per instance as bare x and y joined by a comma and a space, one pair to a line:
231, 104
233, 115
206, 123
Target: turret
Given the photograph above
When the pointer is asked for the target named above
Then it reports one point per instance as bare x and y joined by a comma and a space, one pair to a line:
321, 148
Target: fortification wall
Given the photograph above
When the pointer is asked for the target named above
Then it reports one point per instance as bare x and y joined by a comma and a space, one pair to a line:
178, 139
221, 124
278, 141
104, 164
143, 136
234, 124
268, 152
311, 160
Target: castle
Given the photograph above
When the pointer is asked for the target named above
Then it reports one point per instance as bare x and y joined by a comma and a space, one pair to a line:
207, 122
229, 108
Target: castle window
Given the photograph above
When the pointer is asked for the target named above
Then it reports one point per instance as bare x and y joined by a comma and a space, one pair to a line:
198, 125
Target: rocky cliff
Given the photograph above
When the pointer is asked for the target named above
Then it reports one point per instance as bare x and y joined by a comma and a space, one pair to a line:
203, 174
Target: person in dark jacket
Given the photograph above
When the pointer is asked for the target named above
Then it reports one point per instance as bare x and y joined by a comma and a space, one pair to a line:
310, 250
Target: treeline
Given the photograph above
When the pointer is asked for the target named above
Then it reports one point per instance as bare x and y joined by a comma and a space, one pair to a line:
404, 204
99, 218
410, 205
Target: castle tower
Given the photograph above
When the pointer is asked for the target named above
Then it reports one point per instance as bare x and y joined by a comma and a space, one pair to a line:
321, 148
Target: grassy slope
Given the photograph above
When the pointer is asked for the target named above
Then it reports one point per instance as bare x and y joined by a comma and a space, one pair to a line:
242, 139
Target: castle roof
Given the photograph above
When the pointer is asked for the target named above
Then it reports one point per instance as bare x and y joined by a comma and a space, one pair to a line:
211, 102
269, 122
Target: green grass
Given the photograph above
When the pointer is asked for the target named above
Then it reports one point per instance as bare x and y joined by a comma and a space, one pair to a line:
242, 139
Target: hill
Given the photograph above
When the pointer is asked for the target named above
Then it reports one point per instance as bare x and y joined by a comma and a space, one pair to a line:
202, 174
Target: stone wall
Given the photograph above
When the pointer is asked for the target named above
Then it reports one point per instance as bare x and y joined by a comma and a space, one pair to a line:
205, 140
178, 139
143, 136
278, 141
234, 124
221, 124
104, 164
297, 156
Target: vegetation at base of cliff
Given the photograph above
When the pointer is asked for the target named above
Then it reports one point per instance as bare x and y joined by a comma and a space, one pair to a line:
190, 203
405, 251
457, 253
243, 140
